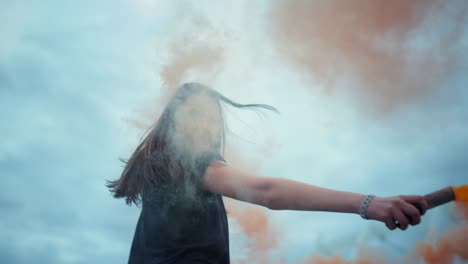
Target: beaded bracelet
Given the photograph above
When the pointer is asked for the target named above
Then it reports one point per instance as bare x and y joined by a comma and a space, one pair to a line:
365, 205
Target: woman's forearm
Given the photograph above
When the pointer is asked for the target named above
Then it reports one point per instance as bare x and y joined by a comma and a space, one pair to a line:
291, 195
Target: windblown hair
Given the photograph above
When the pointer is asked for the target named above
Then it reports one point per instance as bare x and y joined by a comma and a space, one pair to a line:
156, 160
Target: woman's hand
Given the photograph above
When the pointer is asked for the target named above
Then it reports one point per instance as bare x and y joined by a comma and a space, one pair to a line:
398, 211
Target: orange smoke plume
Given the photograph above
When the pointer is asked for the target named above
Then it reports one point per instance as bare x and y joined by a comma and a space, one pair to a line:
449, 246
256, 225
364, 258
392, 51
194, 50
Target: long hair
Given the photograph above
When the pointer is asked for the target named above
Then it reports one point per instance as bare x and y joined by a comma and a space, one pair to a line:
157, 160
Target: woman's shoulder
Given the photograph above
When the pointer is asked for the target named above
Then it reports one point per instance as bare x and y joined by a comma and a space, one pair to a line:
205, 159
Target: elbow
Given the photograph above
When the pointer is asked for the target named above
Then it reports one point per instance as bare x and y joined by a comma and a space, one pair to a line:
269, 195
273, 204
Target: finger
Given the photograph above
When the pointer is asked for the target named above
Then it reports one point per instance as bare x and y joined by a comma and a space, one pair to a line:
411, 212
424, 206
401, 218
391, 224
418, 201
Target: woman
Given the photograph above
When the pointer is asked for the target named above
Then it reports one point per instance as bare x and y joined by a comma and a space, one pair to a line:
179, 175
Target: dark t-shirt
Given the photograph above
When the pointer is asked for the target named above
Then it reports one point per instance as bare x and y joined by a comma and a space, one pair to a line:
180, 226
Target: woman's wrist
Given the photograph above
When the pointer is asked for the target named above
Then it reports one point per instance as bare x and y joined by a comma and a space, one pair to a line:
356, 203
365, 205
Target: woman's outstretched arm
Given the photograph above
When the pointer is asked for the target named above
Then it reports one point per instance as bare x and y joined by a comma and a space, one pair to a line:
284, 194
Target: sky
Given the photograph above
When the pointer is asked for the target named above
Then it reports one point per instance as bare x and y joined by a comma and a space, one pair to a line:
372, 98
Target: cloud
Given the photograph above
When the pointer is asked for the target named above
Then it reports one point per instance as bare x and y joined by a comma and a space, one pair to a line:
60, 132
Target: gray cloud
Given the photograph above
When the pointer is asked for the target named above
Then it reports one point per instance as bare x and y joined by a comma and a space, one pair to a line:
58, 144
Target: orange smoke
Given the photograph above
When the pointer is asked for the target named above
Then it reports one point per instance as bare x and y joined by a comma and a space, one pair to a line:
364, 258
255, 224
188, 58
374, 42
192, 51
450, 245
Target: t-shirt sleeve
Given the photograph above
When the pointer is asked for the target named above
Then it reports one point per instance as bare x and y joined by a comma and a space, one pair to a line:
202, 163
